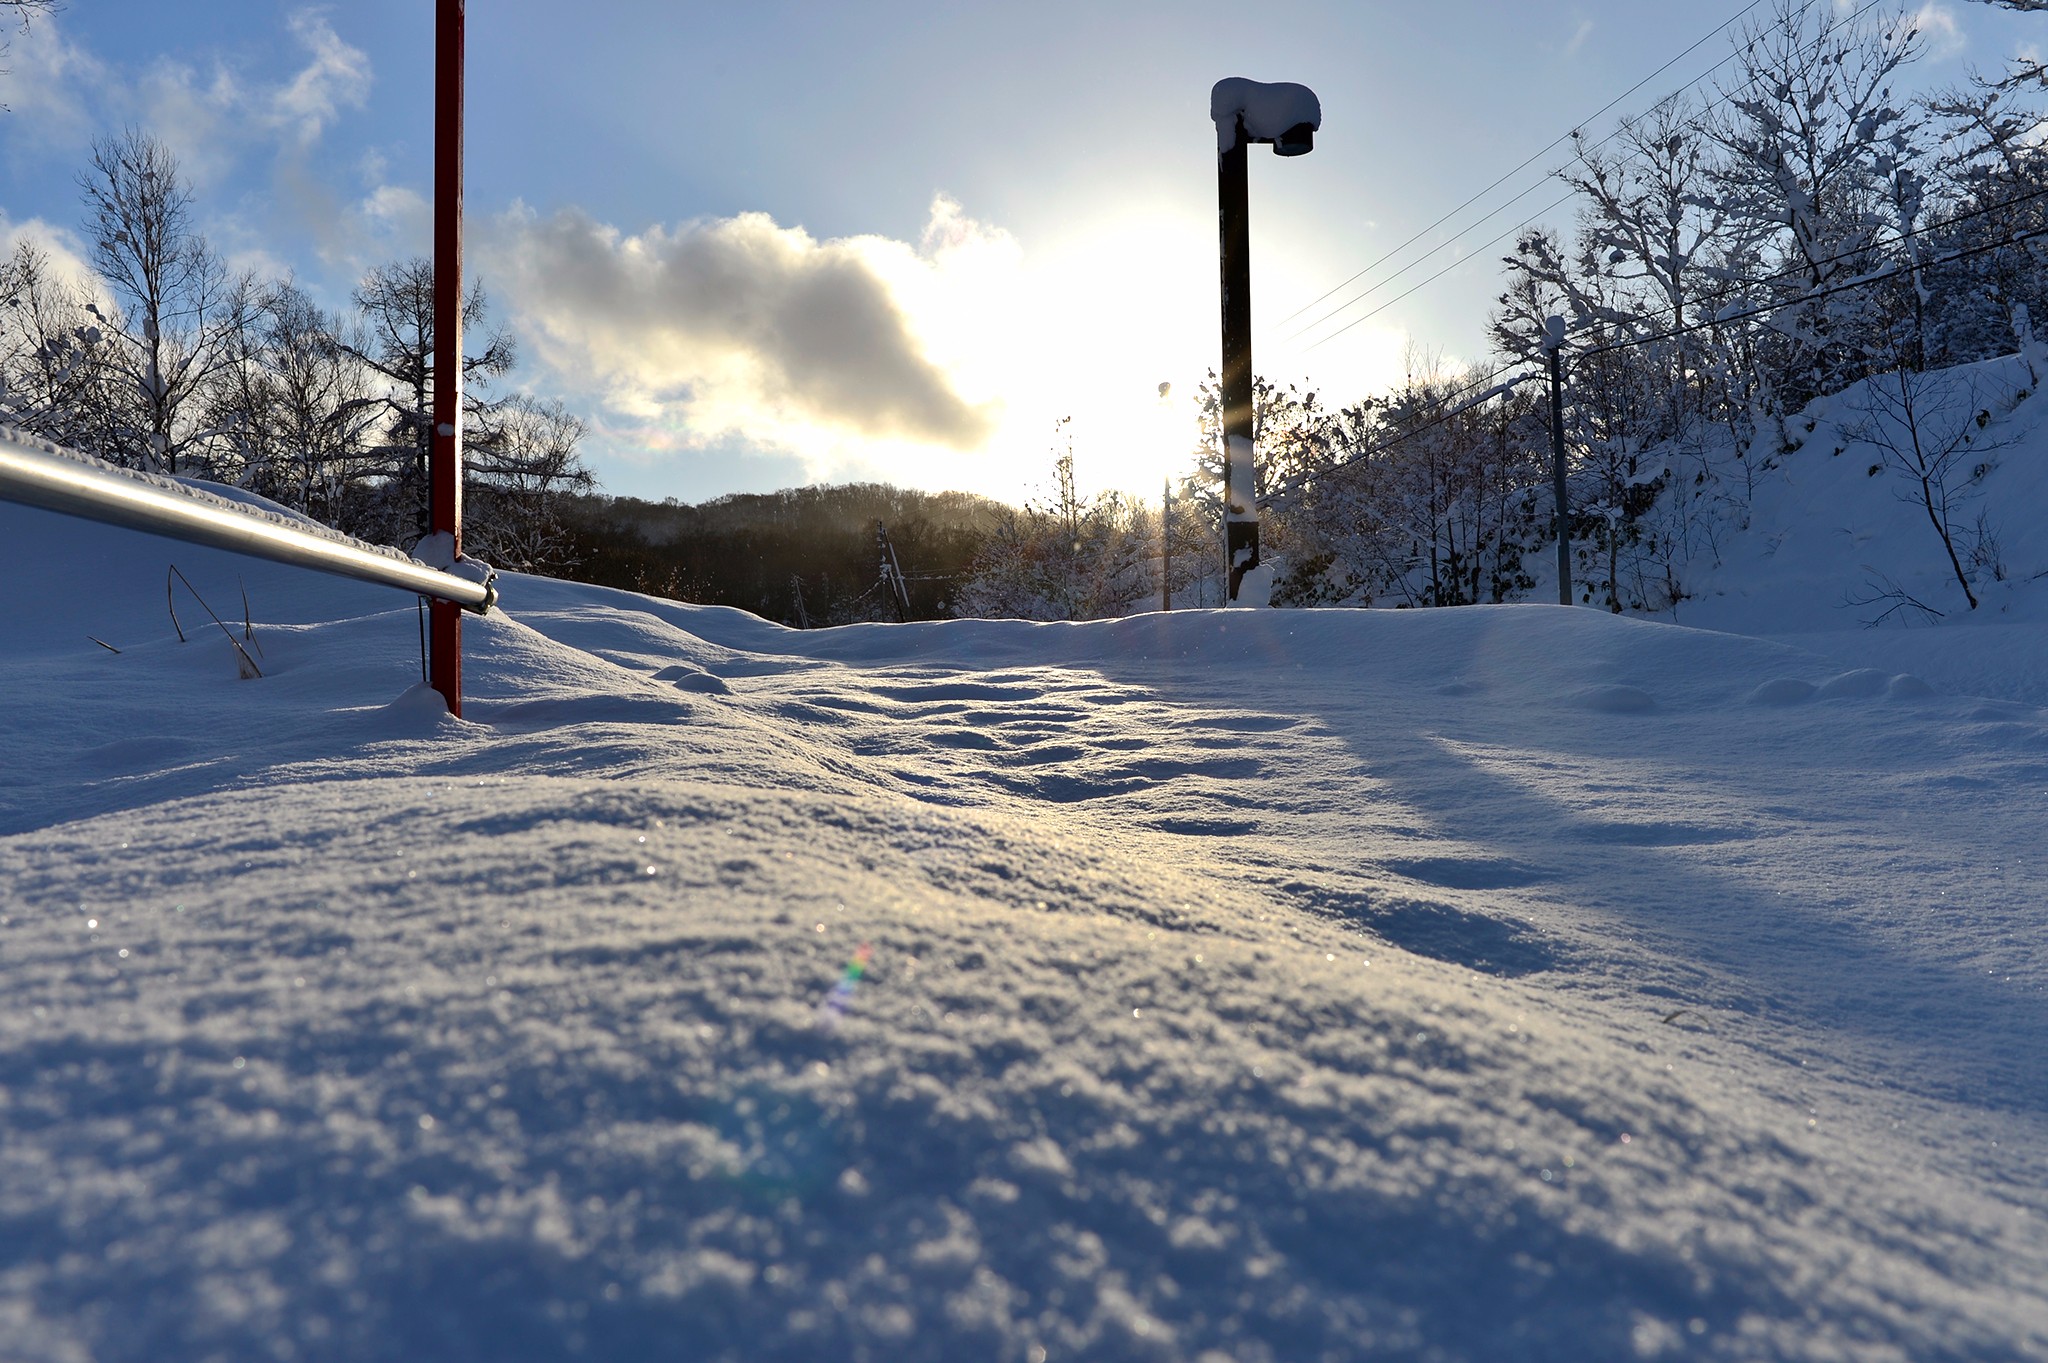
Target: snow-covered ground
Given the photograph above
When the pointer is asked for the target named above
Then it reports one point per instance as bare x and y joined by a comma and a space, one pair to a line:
1501, 983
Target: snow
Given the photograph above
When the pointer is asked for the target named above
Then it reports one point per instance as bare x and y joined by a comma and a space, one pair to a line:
1269, 109
1255, 587
1834, 531
1503, 982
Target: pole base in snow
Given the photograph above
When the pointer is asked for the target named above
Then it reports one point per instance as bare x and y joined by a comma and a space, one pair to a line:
1240, 550
444, 652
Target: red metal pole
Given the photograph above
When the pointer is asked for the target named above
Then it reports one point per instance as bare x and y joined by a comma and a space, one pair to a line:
444, 499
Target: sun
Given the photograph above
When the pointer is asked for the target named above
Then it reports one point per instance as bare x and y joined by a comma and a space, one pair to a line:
1103, 317
1101, 335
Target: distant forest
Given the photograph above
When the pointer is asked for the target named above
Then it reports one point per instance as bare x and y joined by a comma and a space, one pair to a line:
806, 557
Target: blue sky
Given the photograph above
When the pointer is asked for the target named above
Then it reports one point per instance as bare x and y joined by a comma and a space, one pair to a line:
767, 244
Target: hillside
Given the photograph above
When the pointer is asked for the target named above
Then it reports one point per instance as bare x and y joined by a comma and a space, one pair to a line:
1833, 529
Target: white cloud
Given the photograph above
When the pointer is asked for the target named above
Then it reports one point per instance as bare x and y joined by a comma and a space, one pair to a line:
210, 114
1940, 30
50, 87
63, 251
226, 122
215, 115
200, 116
336, 78
832, 349
397, 212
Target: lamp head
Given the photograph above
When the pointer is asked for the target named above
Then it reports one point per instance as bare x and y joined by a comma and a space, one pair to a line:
1298, 140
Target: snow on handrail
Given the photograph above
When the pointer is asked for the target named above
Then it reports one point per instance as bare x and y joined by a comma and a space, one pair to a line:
36, 473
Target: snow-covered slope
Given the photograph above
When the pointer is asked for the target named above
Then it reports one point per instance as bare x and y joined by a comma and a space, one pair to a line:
1500, 983
1834, 533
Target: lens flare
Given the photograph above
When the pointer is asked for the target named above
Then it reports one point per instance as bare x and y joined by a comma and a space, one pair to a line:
833, 1009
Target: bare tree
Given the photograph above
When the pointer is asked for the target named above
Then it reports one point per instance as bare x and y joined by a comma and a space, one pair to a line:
1929, 431
518, 479
295, 413
396, 341
177, 307
22, 11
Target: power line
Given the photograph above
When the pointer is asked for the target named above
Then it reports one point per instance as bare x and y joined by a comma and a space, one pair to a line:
1854, 18
1558, 203
1379, 447
1780, 276
1860, 282
1530, 160
1718, 319
1497, 390
1415, 288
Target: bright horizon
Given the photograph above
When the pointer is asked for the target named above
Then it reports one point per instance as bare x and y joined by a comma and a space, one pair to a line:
799, 244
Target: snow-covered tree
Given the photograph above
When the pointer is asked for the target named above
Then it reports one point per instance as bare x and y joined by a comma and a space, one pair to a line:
57, 367
1426, 498
517, 480
1986, 253
1803, 122
1064, 556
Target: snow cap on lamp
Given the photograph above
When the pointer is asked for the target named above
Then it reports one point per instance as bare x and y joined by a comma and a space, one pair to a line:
1282, 113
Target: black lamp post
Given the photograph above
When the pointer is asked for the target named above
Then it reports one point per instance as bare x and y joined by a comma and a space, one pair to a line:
1285, 116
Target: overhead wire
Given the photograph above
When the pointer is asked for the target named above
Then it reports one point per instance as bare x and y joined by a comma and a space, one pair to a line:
1719, 319
1528, 161
1858, 15
1423, 284
1748, 287
1859, 282
1470, 389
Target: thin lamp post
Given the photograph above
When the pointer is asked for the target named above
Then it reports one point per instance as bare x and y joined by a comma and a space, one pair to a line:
1166, 545
1287, 117
444, 493
1165, 509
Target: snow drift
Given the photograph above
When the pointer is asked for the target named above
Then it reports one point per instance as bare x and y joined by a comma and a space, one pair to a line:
1505, 982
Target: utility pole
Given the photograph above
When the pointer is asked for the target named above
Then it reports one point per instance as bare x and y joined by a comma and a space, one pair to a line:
1286, 116
1553, 346
892, 574
444, 493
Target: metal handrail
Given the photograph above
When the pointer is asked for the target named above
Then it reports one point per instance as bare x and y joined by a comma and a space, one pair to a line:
38, 474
